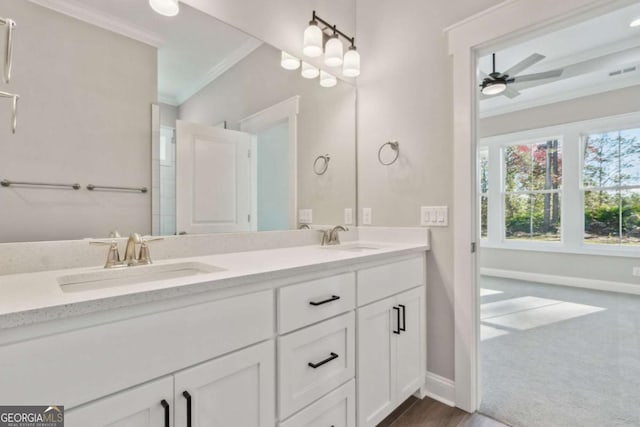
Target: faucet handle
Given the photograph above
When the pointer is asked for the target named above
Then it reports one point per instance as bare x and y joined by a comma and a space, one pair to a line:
113, 256
144, 257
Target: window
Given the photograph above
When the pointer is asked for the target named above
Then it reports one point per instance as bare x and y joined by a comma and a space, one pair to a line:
611, 187
483, 190
532, 190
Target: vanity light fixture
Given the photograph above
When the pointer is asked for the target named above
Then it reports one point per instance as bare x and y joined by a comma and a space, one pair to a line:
165, 7
635, 23
289, 62
334, 55
327, 80
309, 71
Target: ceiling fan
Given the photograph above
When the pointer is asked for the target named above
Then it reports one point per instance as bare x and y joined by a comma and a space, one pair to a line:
498, 83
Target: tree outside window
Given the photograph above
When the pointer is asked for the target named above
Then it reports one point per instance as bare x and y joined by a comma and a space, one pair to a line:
532, 189
483, 190
611, 185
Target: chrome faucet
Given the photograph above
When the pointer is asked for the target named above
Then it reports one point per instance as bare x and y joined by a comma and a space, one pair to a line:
304, 227
332, 236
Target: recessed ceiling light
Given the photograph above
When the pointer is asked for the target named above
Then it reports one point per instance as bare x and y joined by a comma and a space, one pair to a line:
635, 23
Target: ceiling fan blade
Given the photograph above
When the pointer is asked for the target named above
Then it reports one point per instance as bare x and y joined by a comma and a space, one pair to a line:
538, 76
524, 64
510, 92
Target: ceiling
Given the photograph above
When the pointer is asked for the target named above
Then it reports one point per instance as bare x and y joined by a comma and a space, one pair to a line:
588, 51
193, 48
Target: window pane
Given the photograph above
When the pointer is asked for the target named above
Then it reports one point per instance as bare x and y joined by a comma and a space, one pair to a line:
483, 170
601, 160
630, 217
547, 166
630, 157
484, 212
517, 209
533, 166
546, 216
602, 217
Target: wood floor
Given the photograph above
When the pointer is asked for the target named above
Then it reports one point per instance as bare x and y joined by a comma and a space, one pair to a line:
430, 413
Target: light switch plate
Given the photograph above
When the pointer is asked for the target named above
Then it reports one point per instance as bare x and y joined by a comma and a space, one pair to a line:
434, 216
366, 216
348, 216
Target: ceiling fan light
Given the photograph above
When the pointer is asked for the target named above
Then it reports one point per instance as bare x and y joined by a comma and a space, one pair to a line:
351, 67
309, 71
635, 23
493, 88
165, 7
289, 62
333, 52
312, 46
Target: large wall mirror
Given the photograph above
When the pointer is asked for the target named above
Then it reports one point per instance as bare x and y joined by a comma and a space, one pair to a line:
168, 126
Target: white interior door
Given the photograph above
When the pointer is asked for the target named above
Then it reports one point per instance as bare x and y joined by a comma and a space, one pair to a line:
213, 179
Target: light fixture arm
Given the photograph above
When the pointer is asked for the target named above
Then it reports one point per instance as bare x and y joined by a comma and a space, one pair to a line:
334, 28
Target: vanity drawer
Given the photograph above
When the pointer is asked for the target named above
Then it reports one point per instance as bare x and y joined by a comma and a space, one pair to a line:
78, 366
337, 409
328, 346
305, 303
380, 282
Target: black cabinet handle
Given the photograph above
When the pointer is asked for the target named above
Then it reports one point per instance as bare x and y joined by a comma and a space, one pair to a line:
397, 309
404, 318
188, 397
327, 360
333, 298
165, 405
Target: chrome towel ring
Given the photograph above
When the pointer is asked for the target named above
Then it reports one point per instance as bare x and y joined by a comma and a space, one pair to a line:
395, 146
321, 164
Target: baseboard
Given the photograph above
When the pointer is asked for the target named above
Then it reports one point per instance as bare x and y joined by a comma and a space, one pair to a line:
575, 282
438, 388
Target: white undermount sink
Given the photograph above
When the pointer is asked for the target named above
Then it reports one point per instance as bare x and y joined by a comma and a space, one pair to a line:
353, 247
132, 275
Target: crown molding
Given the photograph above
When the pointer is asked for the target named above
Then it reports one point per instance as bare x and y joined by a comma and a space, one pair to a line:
220, 68
164, 98
78, 10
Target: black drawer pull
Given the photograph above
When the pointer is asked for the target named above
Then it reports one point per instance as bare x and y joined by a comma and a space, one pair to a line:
404, 318
188, 397
165, 405
327, 360
333, 298
397, 309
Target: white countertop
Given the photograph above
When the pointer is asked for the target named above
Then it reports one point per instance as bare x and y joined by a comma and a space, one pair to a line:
37, 297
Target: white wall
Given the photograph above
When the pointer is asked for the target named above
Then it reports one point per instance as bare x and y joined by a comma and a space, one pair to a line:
326, 124
84, 116
405, 93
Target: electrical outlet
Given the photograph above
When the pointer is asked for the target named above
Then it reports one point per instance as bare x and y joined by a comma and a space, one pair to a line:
305, 216
366, 216
636, 271
348, 216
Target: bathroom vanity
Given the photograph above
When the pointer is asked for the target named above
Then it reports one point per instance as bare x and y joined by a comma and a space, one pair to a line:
300, 336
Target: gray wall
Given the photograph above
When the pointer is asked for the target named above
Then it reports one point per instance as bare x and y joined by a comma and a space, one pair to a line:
326, 124
599, 267
168, 115
84, 116
405, 93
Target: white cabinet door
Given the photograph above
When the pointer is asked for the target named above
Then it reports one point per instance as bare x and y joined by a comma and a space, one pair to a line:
391, 354
411, 348
376, 357
150, 404
213, 179
234, 390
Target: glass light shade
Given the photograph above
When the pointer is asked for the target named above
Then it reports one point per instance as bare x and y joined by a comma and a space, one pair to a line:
165, 7
327, 80
494, 88
351, 67
333, 52
312, 41
309, 71
289, 62
635, 23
